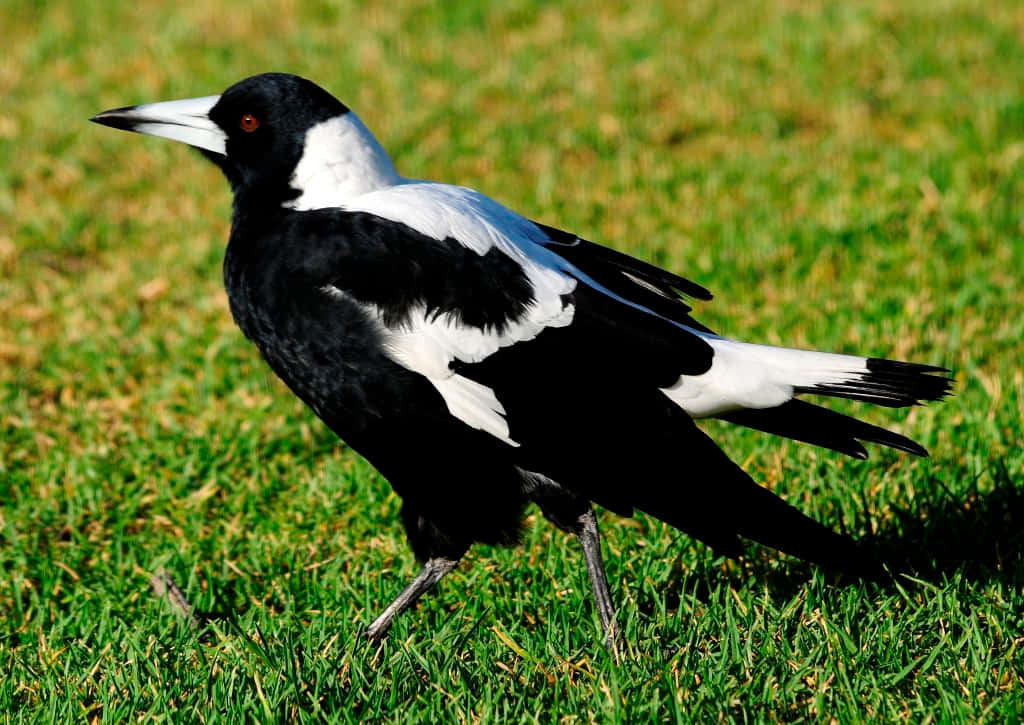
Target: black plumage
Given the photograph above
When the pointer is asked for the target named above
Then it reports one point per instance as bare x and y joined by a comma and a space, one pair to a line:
482, 361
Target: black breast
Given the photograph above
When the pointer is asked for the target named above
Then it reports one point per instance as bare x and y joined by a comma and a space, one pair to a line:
325, 347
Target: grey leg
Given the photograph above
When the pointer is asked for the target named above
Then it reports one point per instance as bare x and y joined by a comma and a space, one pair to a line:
571, 512
431, 573
590, 538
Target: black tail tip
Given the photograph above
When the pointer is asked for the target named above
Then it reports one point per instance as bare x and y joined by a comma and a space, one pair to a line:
914, 381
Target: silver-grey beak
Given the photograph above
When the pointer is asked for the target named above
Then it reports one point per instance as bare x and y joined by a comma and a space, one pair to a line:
187, 120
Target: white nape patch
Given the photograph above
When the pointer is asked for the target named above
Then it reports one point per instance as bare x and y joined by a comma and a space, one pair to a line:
744, 375
428, 344
341, 160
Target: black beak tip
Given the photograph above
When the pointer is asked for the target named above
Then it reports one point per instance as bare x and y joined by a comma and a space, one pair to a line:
117, 118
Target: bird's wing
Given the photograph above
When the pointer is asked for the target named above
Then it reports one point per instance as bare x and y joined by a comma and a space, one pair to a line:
465, 278
623, 276
477, 222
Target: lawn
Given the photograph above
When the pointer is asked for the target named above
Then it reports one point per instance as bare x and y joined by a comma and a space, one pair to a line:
845, 177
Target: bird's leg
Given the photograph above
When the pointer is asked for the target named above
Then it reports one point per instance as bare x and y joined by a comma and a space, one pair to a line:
590, 538
432, 572
574, 513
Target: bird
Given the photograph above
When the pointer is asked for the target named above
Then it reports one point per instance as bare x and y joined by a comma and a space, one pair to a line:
484, 362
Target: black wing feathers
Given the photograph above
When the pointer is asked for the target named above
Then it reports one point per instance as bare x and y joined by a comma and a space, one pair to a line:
635, 450
666, 281
630, 278
626, 341
604, 431
396, 268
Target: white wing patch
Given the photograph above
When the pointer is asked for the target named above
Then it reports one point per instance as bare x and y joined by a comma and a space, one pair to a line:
441, 211
428, 344
475, 405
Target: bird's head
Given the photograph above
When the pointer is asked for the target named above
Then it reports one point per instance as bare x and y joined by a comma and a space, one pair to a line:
276, 137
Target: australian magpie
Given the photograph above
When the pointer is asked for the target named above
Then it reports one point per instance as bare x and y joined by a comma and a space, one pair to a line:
482, 361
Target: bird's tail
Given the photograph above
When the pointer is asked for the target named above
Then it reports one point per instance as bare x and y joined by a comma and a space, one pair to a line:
763, 380
749, 376
890, 383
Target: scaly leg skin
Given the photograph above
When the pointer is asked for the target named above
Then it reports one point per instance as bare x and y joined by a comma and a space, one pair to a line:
590, 538
432, 572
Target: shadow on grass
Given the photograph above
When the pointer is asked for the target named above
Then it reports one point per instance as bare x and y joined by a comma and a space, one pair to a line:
978, 536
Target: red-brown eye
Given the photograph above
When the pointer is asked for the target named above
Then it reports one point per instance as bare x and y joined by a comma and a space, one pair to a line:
249, 123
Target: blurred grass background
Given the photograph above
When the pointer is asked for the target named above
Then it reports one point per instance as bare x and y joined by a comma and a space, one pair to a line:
844, 177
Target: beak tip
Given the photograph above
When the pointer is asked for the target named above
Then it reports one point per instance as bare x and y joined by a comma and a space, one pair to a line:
117, 118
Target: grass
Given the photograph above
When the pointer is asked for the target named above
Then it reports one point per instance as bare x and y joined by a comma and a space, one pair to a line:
845, 177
